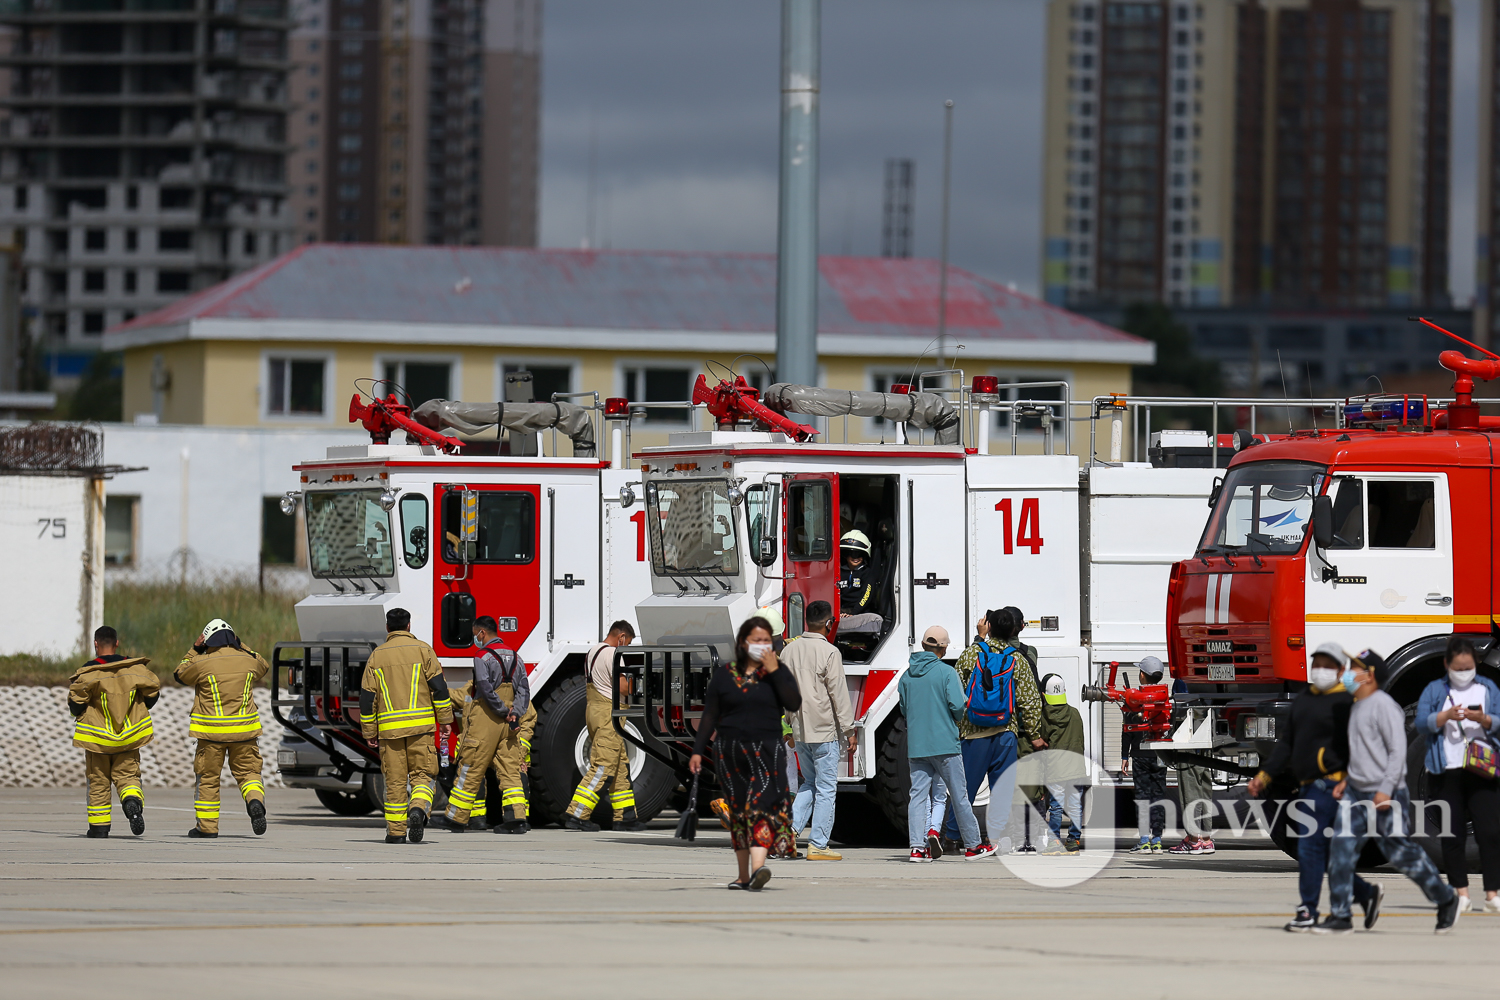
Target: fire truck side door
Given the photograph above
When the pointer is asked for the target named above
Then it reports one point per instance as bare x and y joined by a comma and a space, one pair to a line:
504, 580
933, 584
811, 544
571, 575
1394, 552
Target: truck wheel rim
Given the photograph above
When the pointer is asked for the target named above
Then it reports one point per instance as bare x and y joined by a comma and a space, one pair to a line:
582, 745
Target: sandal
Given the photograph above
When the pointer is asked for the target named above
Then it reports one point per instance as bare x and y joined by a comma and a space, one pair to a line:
759, 878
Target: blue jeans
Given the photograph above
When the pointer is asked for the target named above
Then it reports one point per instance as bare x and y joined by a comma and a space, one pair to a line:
1403, 854
1312, 849
987, 759
1059, 793
819, 787
926, 773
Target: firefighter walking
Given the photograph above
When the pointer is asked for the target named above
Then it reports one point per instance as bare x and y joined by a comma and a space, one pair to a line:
402, 698
111, 697
223, 671
501, 697
608, 760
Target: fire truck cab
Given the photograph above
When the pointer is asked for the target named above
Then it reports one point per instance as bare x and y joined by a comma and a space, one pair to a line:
1376, 534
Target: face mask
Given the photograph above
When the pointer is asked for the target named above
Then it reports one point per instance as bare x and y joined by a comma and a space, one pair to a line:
1323, 678
1347, 679
1461, 678
757, 650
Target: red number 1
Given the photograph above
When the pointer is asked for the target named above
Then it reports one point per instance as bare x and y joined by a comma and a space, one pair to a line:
1030, 533
639, 520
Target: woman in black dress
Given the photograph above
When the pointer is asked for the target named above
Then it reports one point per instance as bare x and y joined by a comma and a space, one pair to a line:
742, 711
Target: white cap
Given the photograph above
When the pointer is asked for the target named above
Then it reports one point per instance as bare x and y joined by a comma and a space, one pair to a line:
773, 616
1333, 651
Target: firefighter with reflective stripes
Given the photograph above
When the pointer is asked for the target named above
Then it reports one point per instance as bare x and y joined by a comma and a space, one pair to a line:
111, 698
402, 699
223, 672
502, 696
512, 760
609, 763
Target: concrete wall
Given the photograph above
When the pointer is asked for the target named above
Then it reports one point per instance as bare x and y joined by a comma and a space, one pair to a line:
52, 591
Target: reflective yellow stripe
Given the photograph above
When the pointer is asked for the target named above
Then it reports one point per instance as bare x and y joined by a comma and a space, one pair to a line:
461, 798
622, 800
406, 718
248, 698
252, 786
130, 790
585, 797
513, 797
395, 810
385, 694
222, 725
106, 741
213, 688
206, 810
416, 675
1398, 619
422, 795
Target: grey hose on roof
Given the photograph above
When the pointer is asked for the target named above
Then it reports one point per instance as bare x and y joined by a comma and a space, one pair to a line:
526, 418
926, 410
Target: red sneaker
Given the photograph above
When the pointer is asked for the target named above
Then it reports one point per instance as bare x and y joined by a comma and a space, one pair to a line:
918, 855
981, 851
934, 845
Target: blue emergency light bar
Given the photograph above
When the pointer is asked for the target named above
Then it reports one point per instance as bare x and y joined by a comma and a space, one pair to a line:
1386, 411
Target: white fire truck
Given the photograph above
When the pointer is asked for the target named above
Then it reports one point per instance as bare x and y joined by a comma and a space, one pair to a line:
712, 526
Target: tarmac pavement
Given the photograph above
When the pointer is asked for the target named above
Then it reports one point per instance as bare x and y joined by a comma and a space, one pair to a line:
322, 907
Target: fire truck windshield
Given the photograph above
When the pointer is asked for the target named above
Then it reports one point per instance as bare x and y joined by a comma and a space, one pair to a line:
348, 534
692, 528
1263, 507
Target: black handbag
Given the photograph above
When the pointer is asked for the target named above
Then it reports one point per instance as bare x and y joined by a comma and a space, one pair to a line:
687, 825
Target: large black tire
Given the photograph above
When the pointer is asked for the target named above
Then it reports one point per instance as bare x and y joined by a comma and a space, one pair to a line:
554, 762
345, 803
890, 785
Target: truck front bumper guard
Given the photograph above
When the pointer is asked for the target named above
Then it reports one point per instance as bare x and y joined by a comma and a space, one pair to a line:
662, 689
322, 679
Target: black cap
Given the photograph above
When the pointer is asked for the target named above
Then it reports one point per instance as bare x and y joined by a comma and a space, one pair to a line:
1377, 665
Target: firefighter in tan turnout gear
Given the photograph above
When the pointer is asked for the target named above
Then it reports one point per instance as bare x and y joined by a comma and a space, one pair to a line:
223, 673
608, 760
111, 696
501, 698
512, 761
402, 698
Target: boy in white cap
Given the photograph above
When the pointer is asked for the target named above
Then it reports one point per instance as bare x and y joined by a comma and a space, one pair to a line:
1062, 728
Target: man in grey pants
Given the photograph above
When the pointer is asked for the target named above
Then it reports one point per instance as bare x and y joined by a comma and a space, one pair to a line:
1374, 794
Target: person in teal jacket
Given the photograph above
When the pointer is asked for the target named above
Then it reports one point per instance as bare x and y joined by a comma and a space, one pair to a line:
933, 700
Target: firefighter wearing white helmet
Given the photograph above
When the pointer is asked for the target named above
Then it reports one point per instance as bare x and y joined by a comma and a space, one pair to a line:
859, 584
223, 672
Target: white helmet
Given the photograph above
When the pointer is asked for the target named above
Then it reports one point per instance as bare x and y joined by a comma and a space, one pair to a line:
217, 625
856, 541
773, 616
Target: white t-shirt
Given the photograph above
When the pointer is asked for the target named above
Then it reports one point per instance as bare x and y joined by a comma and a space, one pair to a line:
1456, 734
600, 667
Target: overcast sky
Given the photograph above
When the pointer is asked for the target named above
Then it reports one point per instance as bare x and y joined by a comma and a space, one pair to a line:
682, 97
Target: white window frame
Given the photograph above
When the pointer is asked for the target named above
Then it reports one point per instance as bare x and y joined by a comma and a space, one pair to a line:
622, 365
263, 389
453, 361
575, 372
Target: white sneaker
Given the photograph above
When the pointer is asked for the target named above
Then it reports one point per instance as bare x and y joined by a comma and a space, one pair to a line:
1492, 905
1463, 903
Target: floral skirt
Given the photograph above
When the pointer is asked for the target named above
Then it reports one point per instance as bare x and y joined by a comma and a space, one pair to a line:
753, 775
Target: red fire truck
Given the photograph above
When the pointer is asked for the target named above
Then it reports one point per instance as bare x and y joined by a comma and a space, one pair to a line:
1377, 534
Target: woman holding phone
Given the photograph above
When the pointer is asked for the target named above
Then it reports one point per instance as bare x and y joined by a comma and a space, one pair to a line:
1454, 711
742, 712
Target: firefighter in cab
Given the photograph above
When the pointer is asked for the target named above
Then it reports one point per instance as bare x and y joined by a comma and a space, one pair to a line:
223, 671
859, 585
402, 698
111, 697
502, 696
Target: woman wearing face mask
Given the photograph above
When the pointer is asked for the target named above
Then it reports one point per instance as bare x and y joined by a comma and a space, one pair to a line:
742, 712
1453, 711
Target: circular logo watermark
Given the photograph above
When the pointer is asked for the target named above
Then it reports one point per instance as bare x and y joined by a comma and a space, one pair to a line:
1047, 790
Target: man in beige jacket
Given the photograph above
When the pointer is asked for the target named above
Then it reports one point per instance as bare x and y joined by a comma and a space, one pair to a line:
823, 726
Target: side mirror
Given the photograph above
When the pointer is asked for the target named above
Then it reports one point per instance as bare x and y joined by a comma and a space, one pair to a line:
1322, 521
1213, 494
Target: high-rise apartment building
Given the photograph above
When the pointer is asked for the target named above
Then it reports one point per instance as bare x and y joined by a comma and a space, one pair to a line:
141, 153
1286, 153
416, 121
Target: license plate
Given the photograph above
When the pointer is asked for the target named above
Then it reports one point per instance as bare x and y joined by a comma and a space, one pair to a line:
286, 757
1221, 671
1221, 647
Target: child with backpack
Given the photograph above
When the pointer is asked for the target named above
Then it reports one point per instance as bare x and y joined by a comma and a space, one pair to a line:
1002, 707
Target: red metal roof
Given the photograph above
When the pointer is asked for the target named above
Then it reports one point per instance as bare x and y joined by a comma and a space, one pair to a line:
620, 290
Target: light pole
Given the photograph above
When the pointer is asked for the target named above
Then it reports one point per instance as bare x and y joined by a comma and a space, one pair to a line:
942, 329
797, 229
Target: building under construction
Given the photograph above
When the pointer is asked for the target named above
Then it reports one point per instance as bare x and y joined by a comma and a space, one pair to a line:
142, 145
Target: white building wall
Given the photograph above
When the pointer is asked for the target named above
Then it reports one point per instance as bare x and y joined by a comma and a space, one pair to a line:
49, 591
201, 488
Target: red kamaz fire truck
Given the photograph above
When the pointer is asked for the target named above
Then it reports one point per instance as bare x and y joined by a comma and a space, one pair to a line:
1376, 534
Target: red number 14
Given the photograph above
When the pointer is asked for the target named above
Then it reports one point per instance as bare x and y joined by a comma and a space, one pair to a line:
1030, 535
